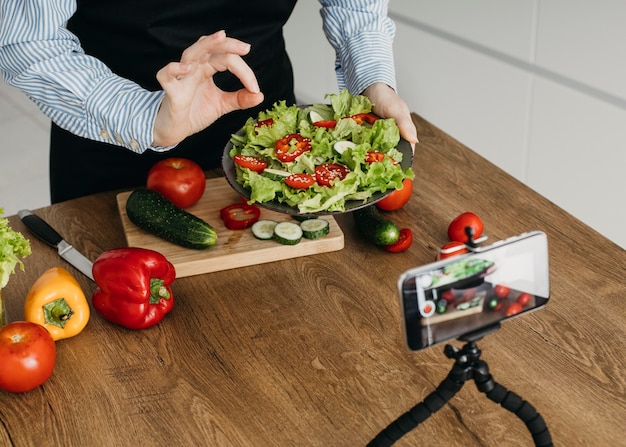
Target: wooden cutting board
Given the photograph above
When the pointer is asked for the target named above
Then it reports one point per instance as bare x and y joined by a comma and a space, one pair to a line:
234, 248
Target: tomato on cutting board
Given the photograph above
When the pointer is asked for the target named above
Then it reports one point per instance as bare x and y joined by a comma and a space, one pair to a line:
180, 180
398, 198
27, 356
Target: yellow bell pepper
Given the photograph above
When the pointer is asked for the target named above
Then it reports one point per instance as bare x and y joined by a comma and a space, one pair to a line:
57, 302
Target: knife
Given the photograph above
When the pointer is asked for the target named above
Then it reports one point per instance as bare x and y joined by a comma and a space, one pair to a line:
49, 235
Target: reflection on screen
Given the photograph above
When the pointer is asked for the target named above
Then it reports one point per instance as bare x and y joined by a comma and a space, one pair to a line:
460, 295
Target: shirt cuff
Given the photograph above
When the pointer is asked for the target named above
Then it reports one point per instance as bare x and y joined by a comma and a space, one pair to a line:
123, 113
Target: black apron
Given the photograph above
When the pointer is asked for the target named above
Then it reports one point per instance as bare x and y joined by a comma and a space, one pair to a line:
135, 39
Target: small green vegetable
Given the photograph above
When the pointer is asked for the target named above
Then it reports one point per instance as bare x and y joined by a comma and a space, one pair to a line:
13, 246
375, 227
151, 211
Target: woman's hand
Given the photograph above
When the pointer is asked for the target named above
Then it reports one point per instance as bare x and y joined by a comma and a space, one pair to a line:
192, 101
387, 104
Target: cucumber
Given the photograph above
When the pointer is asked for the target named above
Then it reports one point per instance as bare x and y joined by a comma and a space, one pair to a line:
263, 229
375, 227
315, 228
287, 233
152, 212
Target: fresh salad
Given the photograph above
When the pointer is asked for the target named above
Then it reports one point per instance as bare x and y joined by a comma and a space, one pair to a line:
318, 157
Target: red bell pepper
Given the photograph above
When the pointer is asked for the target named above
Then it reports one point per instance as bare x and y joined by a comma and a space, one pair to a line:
133, 287
291, 147
239, 215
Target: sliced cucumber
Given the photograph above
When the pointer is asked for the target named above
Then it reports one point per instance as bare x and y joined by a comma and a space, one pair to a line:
287, 233
341, 146
264, 229
275, 174
315, 117
315, 228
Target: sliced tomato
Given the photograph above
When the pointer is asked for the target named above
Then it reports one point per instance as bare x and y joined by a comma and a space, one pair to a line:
300, 181
404, 242
328, 124
326, 173
255, 164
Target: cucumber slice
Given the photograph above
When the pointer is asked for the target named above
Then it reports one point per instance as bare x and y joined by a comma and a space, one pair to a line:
315, 228
287, 233
276, 174
341, 146
263, 229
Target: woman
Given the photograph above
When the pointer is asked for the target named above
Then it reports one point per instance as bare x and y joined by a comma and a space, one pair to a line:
103, 72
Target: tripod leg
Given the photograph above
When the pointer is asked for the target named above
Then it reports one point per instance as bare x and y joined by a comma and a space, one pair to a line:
518, 406
419, 413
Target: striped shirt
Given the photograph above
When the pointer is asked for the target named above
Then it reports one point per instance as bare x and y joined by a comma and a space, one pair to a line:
39, 56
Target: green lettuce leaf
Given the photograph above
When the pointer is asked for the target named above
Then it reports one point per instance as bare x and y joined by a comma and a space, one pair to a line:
13, 246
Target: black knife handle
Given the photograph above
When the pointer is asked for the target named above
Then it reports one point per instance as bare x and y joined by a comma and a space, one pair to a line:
40, 228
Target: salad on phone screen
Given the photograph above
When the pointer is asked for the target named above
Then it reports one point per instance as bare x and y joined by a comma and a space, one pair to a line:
320, 158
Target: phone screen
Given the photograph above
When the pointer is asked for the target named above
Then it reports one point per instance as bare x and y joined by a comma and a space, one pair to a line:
462, 294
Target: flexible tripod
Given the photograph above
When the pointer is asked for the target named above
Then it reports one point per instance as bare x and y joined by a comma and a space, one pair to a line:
467, 366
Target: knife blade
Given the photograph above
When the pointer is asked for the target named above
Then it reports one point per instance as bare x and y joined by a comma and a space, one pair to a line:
50, 236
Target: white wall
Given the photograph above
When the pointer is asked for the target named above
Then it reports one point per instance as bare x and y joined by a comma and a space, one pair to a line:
537, 87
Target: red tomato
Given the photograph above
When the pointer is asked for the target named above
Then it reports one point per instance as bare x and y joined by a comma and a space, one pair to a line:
300, 181
501, 291
398, 198
180, 180
326, 173
456, 229
403, 243
513, 309
27, 356
449, 295
255, 164
523, 299
456, 248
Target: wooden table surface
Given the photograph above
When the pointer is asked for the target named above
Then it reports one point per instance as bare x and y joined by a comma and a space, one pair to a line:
310, 351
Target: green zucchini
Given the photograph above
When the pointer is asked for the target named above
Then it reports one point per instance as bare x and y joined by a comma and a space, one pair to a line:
152, 212
375, 227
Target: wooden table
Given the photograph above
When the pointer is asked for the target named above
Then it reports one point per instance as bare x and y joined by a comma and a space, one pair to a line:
310, 352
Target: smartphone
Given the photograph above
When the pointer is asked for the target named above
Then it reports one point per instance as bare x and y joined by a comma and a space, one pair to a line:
460, 295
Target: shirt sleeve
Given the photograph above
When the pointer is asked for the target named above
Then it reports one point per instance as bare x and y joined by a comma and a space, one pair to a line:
39, 56
362, 35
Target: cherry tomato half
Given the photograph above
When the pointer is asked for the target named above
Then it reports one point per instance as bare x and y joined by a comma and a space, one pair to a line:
326, 173
300, 181
180, 180
456, 229
27, 356
255, 164
398, 198
403, 243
